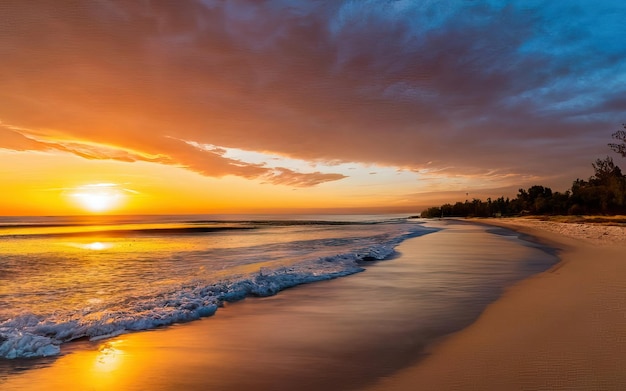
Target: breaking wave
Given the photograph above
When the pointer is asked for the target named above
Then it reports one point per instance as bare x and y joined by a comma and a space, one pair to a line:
32, 335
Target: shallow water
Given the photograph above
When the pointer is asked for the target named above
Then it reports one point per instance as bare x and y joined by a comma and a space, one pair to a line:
62, 280
339, 334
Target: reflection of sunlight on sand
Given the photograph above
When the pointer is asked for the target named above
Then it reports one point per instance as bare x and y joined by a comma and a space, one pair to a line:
104, 369
109, 358
82, 367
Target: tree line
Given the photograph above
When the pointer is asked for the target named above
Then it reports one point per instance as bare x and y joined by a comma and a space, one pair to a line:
603, 193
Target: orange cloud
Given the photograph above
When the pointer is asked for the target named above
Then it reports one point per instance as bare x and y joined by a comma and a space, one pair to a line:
285, 176
209, 162
397, 84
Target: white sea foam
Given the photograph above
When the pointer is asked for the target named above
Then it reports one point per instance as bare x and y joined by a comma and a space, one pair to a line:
30, 335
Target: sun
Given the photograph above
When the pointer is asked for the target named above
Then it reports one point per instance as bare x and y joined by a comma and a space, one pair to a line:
99, 197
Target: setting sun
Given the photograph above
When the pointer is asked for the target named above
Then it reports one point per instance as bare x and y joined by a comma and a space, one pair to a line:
100, 197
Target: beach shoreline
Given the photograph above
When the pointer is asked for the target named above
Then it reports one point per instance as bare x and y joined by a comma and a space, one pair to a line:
563, 329
533, 336
341, 334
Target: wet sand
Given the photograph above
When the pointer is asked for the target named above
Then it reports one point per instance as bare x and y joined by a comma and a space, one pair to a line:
341, 334
564, 329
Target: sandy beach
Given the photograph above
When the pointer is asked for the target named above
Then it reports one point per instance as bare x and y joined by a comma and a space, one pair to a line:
341, 334
564, 329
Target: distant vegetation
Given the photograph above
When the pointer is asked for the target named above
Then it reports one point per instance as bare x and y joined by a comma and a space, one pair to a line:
604, 193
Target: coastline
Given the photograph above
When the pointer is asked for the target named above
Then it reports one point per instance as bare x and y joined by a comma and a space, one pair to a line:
563, 329
339, 334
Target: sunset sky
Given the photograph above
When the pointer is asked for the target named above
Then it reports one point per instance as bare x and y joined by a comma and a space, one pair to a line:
296, 106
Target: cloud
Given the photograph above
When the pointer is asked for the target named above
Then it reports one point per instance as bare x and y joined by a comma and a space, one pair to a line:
191, 155
13, 140
16, 139
285, 176
523, 87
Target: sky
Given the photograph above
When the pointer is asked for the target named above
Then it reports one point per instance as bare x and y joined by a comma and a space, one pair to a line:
301, 106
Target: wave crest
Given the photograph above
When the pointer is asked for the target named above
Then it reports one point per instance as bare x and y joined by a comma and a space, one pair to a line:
30, 335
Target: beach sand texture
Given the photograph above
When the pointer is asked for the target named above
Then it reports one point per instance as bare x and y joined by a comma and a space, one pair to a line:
564, 329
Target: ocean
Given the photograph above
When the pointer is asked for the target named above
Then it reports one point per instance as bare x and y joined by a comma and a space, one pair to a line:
65, 279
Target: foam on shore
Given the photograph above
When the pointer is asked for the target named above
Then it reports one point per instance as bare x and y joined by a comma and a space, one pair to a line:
29, 335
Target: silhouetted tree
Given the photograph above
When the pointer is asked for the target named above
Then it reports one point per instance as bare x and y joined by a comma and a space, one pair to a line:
610, 186
620, 135
606, 172
603, 193
560, 203
535, 200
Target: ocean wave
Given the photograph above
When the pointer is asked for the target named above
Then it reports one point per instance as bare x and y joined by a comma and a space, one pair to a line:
31, 335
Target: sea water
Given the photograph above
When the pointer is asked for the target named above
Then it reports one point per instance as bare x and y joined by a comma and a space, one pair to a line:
66, 278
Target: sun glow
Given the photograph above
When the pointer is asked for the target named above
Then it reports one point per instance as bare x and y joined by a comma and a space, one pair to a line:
97, 246
100, 197
109, 358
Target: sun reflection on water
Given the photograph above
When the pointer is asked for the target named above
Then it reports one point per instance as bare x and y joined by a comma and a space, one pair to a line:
92, 246
97, 246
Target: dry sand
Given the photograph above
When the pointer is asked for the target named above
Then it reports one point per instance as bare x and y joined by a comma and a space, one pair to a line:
564, 329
